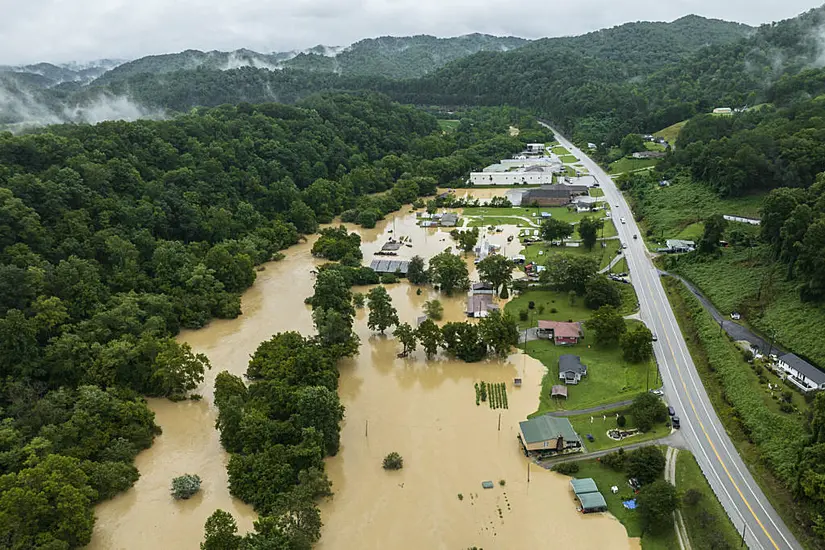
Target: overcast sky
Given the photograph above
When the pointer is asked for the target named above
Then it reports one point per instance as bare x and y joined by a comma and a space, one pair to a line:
67, 30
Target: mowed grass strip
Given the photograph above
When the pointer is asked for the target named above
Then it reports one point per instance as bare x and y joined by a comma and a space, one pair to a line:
604, 421
701, 534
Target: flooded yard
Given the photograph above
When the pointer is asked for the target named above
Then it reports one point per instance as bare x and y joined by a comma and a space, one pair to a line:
425, 410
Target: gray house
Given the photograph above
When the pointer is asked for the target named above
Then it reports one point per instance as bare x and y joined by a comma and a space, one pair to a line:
571, 369
801, 373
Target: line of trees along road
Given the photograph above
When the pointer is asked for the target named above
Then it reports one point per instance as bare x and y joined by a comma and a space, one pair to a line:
114, 237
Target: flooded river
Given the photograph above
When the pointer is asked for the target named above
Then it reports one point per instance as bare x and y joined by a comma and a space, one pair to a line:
425, 410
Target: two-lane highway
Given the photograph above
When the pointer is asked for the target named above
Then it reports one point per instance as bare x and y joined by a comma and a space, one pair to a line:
727, 474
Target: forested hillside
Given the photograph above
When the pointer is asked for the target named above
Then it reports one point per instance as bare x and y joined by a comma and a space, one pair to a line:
387, 56
403, 57
115, 236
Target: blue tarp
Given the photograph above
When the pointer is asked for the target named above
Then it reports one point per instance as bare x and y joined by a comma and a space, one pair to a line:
629, 504
487, 484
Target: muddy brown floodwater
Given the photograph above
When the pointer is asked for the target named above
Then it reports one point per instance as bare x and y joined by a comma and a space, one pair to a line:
424, 410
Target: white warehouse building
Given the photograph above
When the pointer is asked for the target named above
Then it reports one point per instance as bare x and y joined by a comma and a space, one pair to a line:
532, 175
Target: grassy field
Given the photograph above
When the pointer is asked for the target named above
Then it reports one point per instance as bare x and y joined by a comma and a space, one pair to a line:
609, 377
620, 267
559, 150
630, 164
538, 252
741, 405
797, 325
653, 146
568, 159
678, 210
671, 133
604, 421
448, 125
596, 192
547, 300
689, 476
494, 212
559, 212
497, 221
605, 478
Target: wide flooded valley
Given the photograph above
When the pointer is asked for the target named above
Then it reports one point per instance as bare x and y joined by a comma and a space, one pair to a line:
424, 410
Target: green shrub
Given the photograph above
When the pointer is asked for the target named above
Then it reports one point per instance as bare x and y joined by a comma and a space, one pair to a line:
566, 468
523, 315
185, 486
393, 461
621, 421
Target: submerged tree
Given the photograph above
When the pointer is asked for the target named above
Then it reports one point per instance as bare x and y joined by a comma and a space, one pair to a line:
406, 335
186, 486
382, 314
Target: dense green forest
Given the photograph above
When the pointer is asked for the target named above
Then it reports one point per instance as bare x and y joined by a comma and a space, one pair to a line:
114, 237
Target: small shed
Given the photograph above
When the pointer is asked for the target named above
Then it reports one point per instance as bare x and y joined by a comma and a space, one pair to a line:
584, 485
592, 502
558, 391
487, 484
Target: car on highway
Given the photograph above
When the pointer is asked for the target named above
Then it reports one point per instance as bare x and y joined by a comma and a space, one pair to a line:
671, 411
624, 245
675, 422
622, 220
655, 338
657, 392
635, 236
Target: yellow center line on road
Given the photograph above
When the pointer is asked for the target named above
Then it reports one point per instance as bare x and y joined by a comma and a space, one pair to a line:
704, 431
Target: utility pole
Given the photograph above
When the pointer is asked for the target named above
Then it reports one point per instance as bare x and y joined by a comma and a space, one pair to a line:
499, 421
366, 428
744, 530
528, 472
721, 326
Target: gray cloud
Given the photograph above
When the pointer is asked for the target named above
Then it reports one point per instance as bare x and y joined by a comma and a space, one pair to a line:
59, 31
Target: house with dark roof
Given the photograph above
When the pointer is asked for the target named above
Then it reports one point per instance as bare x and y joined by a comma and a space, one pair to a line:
561, 333
449, 219
801, 373
571, 369
547, 435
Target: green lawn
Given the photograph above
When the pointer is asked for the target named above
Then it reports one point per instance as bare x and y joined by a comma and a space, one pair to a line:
559, 150
609, 377
533, 252
545, 301
630, 164
497, 221
621, 267
568, 159
671, 133
596, 192
559, 212
448, 125
606, 478
653, 146
496, 212
700, 533
604, 421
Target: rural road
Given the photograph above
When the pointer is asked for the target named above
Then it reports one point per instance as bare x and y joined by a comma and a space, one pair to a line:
727, 474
